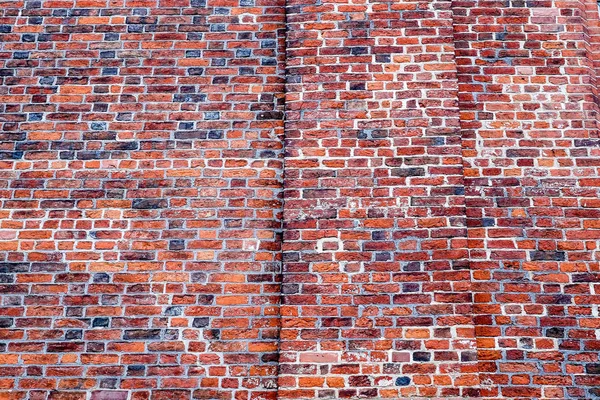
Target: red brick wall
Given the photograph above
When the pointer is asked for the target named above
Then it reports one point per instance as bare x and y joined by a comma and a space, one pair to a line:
530, 146
141, 197
376, 283
424, 225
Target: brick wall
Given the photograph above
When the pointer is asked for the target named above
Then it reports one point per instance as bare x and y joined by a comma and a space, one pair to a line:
376, 283
141, 198
425, 224
531, 146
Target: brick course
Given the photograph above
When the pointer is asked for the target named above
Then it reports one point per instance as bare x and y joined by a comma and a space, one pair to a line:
423, 223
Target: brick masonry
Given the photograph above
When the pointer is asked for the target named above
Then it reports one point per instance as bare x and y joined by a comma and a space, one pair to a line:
141, 187
422, 222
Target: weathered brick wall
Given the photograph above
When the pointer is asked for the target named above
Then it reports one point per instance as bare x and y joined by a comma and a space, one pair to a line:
141, 197
529, 127
430, 230
376, 281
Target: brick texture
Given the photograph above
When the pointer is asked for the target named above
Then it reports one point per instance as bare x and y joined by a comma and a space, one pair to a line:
423, 222
376, 284
141, 198
529, 121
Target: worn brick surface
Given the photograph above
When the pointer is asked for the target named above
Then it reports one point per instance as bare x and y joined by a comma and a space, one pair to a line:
376, 283
531, 147
424, 224
141, 193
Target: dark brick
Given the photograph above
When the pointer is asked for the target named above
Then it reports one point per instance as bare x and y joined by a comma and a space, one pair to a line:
142, 334
6, 322
402, 381
147, 204
548, 255
404, 172
12, 268
201, 322
592, 369
100, 322
269, 115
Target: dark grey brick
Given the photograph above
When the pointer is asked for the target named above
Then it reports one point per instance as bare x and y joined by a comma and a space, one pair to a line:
149, 203
142, 334
201, 322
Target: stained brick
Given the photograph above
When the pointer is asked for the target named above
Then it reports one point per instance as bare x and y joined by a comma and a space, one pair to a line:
141, 334
593, 369
149, 203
